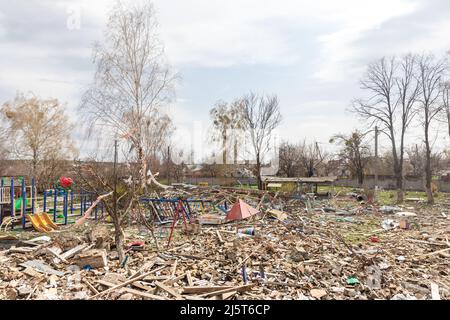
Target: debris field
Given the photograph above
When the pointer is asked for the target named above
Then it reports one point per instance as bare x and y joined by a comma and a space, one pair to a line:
294, 247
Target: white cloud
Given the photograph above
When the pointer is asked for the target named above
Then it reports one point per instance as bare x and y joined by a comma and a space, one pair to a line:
338, 48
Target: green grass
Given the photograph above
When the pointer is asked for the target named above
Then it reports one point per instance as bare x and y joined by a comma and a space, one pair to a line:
387, 197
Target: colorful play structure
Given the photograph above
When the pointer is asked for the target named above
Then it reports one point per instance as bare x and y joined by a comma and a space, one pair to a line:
20, 204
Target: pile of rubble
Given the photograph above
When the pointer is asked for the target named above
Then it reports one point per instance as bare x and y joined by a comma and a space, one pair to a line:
294, 249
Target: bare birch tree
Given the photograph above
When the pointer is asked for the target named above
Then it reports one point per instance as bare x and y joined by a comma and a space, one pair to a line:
132, 83
260, 116
430, 75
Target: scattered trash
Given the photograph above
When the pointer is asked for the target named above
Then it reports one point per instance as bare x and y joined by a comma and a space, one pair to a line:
404, 224
389, 224
405, 214
352, 281
248, 231
389, 209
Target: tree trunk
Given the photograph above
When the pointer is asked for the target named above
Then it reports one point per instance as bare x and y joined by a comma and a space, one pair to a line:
428, 175
235, 151
142, 169
398, 168
258, 173
224, 148
118, 237
360, 177
448, 119
34, 164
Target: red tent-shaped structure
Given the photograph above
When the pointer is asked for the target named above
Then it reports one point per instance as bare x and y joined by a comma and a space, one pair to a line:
240, 210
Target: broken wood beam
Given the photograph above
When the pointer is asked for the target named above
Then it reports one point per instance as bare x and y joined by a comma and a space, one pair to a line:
170, 291
142, 276
242, 288
129, 290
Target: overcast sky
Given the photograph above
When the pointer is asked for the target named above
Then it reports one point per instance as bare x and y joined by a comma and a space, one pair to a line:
310, 53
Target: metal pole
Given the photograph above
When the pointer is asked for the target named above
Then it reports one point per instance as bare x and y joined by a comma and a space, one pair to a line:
65, 205
33, 194
12, 195
71, 202
55, 200
3, 195
44, 209
24, 203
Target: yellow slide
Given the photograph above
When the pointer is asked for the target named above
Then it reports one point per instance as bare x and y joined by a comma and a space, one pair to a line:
49, 222
42, 222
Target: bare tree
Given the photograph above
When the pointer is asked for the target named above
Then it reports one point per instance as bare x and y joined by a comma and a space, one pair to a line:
416, 157
416, 160
311, 157
445, 92
260, 116
393, 93
289, 159
132, 83
430, 74
355, 152
39, 130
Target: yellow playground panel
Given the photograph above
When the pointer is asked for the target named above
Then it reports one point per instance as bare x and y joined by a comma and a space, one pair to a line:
42, 223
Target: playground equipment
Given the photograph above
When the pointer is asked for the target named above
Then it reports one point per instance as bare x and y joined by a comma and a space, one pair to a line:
42, 223
20, 204
165, 209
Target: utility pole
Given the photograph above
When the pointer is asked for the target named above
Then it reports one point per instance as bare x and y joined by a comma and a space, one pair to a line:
376, 159
115, 178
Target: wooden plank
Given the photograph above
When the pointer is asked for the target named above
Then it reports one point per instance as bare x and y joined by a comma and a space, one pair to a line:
95, 291
228, 296
169, 290
132, 291
434, 253
197, 257
174, 268
204, 289
189, 278
219, 236
171, 280
435, 292
146, 266
70, 253
276, 283
53, 252
143, 287
121, 285
237, 289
